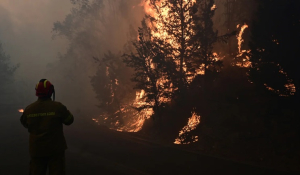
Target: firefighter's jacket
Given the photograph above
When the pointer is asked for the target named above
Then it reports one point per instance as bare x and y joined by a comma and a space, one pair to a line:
44, 120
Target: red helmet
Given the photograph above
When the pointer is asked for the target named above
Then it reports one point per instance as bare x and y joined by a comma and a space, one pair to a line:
44, 89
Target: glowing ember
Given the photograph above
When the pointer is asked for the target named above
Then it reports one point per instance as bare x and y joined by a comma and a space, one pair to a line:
191, 125
290, 86
21, 110
213, 7
95, 120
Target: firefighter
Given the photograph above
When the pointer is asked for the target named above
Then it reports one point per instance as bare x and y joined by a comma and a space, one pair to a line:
44, 120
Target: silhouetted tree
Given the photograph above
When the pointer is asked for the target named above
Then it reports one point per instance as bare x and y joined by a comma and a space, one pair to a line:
275, 70
238, 12
207, 37
6, 72
91, 28
274, 48
150, 63
113, 87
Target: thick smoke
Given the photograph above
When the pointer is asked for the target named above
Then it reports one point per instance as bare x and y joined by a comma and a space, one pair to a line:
93, 28
83, 29
25, 33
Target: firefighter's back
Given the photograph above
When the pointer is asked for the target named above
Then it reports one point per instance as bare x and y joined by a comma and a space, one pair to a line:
45, 120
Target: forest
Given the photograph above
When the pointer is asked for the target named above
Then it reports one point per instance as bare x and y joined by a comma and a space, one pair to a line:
216, 76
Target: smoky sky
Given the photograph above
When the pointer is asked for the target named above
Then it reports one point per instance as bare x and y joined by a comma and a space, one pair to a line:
26, 30
25, 33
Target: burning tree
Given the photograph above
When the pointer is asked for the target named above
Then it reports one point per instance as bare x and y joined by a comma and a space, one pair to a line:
185, 26
173, 22
207, 37
113, 88
175, 46
150, 63
168, 52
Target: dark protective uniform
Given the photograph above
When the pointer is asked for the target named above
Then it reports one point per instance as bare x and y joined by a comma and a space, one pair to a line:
44, 120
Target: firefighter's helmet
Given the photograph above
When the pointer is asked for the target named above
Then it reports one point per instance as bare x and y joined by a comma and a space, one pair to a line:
44, 88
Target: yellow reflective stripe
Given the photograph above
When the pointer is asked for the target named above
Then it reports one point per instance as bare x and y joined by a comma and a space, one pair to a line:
45, 83
41, 114
69, 118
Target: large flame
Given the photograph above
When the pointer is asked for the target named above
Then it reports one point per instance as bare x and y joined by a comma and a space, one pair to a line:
137, 120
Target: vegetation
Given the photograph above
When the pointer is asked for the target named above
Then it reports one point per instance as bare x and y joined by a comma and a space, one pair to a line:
176, 63
6, 74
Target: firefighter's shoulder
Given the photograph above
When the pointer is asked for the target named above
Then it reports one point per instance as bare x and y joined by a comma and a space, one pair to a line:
58, 104
32, 105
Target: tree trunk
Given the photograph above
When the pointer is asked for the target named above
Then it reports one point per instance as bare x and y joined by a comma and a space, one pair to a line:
182, 44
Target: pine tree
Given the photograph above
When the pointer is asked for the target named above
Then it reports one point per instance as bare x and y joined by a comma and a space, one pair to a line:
174, 43
207, 37
149, 62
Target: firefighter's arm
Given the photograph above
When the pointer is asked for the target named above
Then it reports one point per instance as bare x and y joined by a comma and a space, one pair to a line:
67, 117
23, 120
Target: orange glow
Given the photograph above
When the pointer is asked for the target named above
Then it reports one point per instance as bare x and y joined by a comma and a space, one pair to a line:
95, 120
214, 7
245, 62
21, 110
136, 121
191, 125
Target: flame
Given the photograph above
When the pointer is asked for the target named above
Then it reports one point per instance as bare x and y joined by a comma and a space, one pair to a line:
95, 120
137, 120
161, 14
240, 37
21, 110
214, 7
191, 125
245, 61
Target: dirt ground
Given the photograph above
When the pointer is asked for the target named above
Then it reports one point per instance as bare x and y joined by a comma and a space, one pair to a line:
98, 150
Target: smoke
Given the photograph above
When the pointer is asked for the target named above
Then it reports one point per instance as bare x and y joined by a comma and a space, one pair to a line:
228, 15
27, 36
25, 33
83, 28
92, 28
